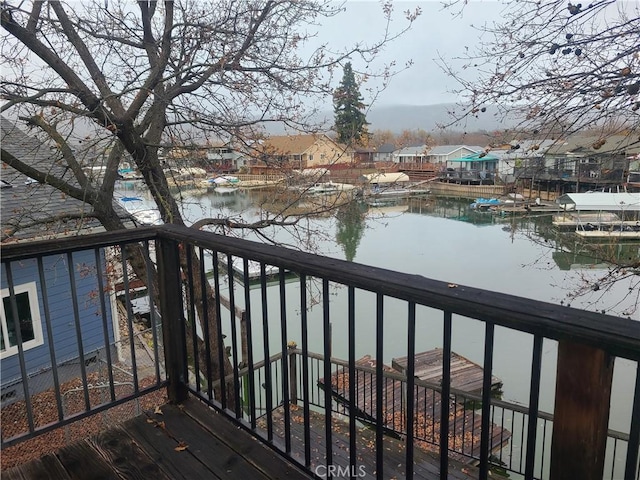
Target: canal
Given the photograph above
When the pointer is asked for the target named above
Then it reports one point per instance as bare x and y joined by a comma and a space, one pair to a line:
443, 239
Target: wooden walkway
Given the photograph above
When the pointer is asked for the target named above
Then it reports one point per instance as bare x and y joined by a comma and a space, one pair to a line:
187, 442
465, 424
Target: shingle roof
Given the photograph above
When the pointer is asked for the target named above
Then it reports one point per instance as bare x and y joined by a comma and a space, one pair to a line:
296, 144
448, 149
615, 144
32, 210
386, 148
289, 144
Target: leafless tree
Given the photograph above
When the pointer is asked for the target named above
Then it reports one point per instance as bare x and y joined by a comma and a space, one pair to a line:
127, 79
558, 68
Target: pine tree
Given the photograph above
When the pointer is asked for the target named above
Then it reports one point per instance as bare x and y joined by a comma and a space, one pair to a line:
351, 123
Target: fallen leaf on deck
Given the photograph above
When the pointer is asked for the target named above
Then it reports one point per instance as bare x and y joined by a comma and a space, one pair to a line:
157, 411
452, 285
181, 447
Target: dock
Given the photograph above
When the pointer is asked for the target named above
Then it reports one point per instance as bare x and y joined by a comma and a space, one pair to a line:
464, 422
465, 374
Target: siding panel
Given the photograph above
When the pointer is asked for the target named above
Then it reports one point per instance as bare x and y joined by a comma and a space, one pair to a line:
56, 271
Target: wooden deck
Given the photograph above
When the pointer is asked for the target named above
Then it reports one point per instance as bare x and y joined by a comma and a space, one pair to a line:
187, 442
426, 461
192, 441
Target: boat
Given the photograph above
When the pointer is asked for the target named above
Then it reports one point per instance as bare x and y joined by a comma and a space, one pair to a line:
328, 188
140, 211
254, 272
600, 214
390, 185
254, 267
226, 190
486, 203
224, 180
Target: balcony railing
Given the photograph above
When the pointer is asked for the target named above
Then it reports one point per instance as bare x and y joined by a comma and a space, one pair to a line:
279, 340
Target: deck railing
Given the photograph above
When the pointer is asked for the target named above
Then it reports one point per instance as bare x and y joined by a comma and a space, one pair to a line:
110, 341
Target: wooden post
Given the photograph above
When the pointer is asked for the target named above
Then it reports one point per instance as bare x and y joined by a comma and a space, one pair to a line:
172, 319
581, 416
293, 373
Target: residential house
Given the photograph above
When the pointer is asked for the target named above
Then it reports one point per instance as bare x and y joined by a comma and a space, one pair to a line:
482, 163
592, 158
301, 151
411, 155
32, 211
364, 154
519, 155
384, 153
223, 157
442, 154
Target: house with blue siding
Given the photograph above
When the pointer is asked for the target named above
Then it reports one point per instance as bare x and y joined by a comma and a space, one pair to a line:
59, 303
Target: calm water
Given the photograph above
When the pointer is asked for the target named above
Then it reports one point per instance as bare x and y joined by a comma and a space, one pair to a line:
441, 239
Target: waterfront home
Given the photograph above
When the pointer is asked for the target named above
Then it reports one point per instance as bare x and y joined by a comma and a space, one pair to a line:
384, 153
300, 152
412, 155
441, 154
62, 319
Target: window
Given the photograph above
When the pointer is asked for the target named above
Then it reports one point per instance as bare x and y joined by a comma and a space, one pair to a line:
29, 320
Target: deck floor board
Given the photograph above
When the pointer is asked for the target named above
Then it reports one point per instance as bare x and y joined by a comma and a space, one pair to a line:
193, 441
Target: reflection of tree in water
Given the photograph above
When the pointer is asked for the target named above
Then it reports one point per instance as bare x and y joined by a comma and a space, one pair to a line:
351, 223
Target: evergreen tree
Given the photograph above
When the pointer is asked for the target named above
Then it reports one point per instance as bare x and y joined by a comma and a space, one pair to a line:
351, 123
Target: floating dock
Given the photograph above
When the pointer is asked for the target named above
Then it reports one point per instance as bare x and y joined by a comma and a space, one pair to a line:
464, 422
465, 374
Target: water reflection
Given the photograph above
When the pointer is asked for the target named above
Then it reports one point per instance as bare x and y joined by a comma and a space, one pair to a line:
437, 237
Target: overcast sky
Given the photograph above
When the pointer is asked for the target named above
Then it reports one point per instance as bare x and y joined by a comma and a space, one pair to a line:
435, 31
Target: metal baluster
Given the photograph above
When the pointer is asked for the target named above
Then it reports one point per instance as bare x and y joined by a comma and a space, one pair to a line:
249, 341
534, 396
486, 400
379, 387
51, 343
305, 370
76, 320
411, 368
444, 396
285, 361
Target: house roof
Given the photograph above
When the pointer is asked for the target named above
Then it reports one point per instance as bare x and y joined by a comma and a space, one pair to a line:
449, 149
291, 144
415, 150
32, 210
525, 149
591, 145
476, 157
601, 201
386, 148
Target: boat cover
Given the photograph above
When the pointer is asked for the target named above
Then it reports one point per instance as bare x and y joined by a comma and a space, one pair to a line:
607, 201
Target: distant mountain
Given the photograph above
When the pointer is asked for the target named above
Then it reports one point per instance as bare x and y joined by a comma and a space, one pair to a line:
431, 117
